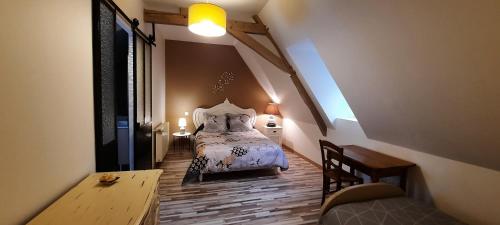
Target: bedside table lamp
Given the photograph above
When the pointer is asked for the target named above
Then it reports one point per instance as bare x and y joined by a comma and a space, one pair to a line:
272, 110
182, 125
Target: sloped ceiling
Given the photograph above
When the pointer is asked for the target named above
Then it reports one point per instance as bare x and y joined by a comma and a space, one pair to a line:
419, 74
277, 84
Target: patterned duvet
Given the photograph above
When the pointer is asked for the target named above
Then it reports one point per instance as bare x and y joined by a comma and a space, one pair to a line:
386, 211
234, 151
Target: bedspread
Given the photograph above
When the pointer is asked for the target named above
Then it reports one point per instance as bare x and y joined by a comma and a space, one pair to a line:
234, 151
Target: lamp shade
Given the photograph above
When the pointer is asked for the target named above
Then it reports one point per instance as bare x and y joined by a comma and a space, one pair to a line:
182, 122
272, 109
207, 19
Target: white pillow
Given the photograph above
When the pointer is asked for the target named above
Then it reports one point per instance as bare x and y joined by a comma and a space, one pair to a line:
239, 122
215, 123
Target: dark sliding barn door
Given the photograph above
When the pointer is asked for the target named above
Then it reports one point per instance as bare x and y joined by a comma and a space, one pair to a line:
143, 154
122, 90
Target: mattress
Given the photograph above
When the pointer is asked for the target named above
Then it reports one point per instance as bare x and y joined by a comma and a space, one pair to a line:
234, 151
387, 211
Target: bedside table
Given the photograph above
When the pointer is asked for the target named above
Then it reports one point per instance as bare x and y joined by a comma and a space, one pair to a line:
180, 140
273, 133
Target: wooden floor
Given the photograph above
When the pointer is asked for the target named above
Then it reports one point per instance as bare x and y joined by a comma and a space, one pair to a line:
256, 197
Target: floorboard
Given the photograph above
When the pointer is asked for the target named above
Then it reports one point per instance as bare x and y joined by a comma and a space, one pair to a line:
251, 197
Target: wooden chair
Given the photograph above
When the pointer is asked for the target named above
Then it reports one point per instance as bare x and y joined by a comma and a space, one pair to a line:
333, 171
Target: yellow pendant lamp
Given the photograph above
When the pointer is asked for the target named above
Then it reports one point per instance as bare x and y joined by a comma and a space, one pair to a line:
207, 19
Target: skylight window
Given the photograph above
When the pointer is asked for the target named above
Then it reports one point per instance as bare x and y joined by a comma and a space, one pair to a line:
310, 64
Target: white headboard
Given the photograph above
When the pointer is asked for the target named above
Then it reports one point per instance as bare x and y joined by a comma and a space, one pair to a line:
220, 109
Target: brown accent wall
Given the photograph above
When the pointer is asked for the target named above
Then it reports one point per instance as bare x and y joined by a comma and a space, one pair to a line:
192, 69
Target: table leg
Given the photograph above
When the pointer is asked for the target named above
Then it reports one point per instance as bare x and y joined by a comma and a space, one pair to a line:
375, 178
326, 188
402, 180
184, 144
351, 170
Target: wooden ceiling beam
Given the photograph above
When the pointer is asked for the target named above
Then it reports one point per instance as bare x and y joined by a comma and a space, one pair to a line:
183, 12
181, 19
298, 84
259, 48
165, 18
310, 104
246, 27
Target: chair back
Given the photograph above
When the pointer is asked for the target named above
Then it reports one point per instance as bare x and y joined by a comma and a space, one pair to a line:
330, 152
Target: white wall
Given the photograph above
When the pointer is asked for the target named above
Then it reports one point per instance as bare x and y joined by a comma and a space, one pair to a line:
426, 69
46, 98
465, 191
158, 71
46, 94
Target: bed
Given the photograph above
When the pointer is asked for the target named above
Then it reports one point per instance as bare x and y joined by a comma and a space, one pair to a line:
232, 151
379, 203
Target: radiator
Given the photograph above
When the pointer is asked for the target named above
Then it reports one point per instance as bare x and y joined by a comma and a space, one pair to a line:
161, 141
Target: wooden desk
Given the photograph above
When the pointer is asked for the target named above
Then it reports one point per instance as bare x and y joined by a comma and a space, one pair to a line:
132, 200
375, 164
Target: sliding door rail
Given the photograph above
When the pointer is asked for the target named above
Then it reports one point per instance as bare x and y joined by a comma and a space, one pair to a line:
134, 23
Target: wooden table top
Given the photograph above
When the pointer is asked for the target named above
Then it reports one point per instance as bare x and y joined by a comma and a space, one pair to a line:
125, 202
372, 159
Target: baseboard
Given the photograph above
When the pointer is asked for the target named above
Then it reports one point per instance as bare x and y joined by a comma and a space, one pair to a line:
303, 156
